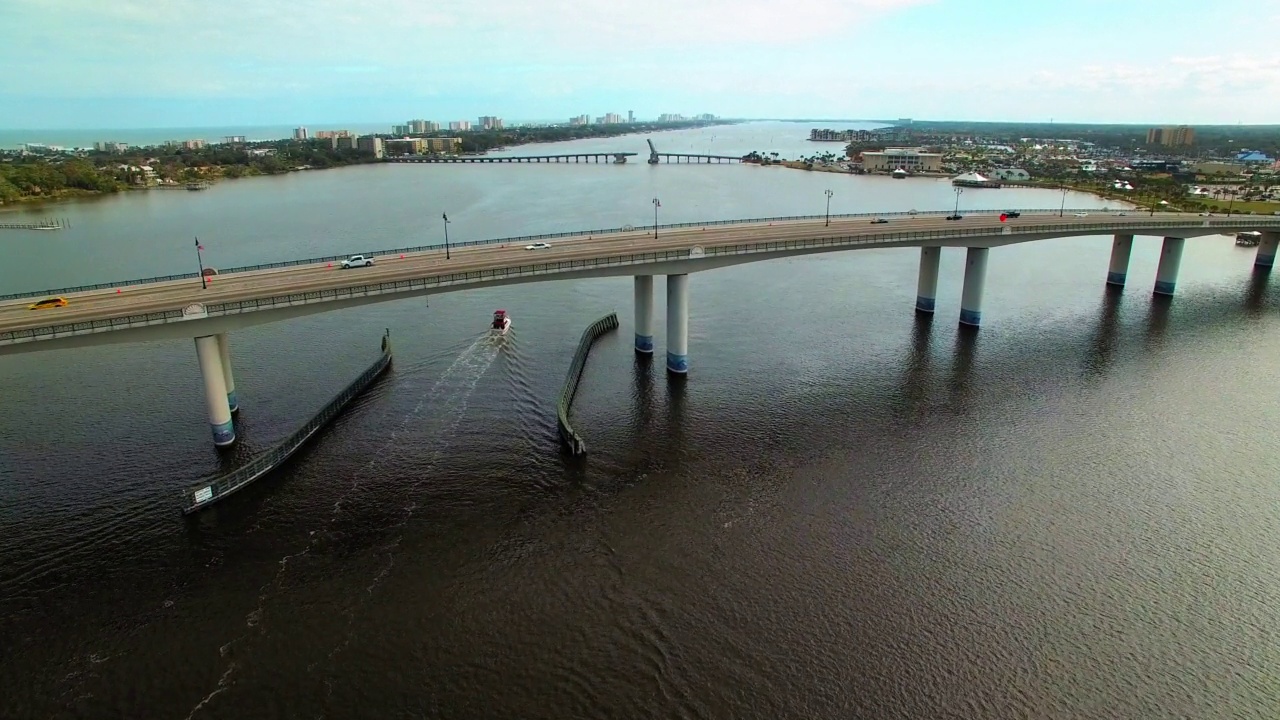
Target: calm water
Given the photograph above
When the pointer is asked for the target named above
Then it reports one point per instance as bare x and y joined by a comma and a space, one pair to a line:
843, 512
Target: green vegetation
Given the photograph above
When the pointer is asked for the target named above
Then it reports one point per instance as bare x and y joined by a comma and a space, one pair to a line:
58, 175
52, 176
1241, 206
36, 179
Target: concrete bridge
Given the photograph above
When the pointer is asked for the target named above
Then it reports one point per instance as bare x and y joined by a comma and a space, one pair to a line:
170, 308
616, 157
656, 157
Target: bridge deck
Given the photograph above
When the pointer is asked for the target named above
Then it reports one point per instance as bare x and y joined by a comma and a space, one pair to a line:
162, 302
456, 159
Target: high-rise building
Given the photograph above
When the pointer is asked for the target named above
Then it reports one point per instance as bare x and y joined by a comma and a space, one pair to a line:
580, 120
111, 147
457, 125
370, 144
300, 133
331, 134
421, 127
631, 116
489, 122
1179, 136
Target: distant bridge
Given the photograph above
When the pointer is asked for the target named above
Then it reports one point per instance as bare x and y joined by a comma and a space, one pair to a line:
616, 157
656, 157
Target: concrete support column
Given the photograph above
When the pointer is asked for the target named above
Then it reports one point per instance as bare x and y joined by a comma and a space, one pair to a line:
927, 287
224, 355
215, 390
1267, 249
1121, 246
644, 314
678, 324
975, 279
1170, 261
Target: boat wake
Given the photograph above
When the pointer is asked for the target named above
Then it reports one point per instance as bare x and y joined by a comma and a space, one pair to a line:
447, 398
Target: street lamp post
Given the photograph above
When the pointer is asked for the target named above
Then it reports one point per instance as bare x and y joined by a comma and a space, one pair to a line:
1063, 207
204, 285
829, 194
656, 205
446, 234
959, 192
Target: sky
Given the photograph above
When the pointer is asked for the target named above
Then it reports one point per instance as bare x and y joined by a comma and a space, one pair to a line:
207, 63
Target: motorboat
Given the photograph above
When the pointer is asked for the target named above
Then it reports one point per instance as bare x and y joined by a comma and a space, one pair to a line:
899, 174
501, 323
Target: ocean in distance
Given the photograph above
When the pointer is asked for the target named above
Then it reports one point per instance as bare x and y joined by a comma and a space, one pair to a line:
844, 511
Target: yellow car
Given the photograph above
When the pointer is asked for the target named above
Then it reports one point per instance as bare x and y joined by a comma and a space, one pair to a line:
53, 302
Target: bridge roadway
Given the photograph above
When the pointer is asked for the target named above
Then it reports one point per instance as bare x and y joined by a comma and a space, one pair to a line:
173, 295
182, 309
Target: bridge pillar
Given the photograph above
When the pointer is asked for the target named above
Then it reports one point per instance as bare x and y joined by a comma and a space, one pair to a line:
1267, 249
678, 324
1119, 268
215, 390
1170, 261
224, 356
644, 314
927, 288
975, 280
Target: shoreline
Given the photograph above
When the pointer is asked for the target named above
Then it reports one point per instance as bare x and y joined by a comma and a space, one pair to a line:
216, 173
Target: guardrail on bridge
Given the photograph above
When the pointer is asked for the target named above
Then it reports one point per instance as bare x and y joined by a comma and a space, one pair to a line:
515, 240
568, 435
207, 493
562, 266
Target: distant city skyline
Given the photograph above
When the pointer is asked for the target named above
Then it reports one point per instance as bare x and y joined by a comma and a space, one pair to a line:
182, 63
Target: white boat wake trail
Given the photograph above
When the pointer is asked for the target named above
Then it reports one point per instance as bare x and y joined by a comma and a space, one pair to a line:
447, 398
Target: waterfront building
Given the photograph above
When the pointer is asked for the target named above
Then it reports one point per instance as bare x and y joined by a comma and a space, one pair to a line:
974, 180
371, 144
829, 135
459, 125
300, 133
404, 146
447, 145
489, 122
897, 158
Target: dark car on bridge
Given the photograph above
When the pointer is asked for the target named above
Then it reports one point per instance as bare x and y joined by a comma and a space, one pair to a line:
1012, 213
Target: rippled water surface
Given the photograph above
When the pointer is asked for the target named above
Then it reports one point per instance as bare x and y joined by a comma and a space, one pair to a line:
842, 512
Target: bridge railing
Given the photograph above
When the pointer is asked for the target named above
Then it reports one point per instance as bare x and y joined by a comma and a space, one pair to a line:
563, 266
208, 492
520, 239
